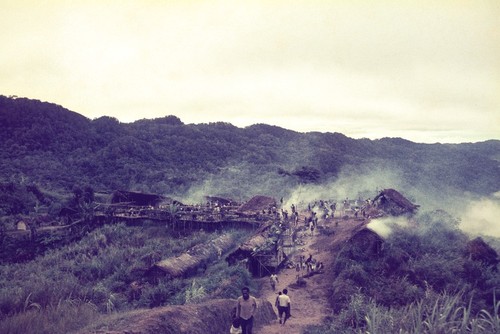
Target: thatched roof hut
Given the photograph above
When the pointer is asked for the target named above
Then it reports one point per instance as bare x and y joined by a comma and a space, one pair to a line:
255, 242
261, 255
394, 203
198, 257
480, 251
367, 242
258, 203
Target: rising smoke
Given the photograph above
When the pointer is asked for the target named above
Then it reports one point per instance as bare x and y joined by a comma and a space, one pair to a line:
385, 226
482, 216
242, 181
239, 182
352, 183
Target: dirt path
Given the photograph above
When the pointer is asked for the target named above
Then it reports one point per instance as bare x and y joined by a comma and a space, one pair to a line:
309, 304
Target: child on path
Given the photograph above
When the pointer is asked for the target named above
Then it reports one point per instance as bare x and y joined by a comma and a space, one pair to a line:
273, 279
235, 327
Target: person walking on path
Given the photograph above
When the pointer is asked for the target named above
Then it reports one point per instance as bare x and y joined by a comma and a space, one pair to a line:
273, 279
283, 307
277, 303
245, 310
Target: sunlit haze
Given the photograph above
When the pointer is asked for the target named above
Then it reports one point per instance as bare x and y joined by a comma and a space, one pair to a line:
427, 71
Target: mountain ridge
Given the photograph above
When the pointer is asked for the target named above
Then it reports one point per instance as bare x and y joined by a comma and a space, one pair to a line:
58, 148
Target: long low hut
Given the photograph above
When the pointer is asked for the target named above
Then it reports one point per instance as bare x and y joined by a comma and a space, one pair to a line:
262, 254
188, 263
259, 203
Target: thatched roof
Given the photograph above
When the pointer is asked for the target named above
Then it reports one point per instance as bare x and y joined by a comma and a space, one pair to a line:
199, 255
395, 197
367, 240
478, 250
258, 203
253, 243
256, 241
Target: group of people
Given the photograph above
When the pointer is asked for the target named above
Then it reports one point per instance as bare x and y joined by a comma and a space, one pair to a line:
312, 266
282, 302
245, 308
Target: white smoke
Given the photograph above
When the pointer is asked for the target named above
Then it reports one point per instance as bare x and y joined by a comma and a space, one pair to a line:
482, 216
238, 182
385, 226
365, 182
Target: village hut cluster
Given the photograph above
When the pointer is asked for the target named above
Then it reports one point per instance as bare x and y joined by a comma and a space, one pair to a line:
277, 232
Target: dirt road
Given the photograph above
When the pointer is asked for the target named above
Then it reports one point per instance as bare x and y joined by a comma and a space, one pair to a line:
309, 303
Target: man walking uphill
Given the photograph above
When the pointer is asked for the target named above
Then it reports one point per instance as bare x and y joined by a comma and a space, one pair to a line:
245, 310
283, 307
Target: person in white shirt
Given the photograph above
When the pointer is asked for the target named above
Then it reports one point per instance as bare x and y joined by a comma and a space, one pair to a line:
284, 307
273, 280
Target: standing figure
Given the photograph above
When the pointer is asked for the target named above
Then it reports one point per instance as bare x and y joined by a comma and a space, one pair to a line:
277, 299
283, 307
273, 280
245, 310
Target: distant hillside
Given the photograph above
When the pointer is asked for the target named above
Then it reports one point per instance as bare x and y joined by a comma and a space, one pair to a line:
57, 149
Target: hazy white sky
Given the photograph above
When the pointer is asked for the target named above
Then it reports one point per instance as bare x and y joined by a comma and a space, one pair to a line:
427, 71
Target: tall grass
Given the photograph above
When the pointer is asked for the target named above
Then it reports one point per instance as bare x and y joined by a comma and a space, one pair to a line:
375, 292
437, 314
434, 314
63, 317
39, 296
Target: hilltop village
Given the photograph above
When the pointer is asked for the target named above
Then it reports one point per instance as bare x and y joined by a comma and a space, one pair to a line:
300, 242
277, 227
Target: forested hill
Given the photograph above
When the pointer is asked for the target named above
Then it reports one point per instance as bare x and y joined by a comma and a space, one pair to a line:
58, 149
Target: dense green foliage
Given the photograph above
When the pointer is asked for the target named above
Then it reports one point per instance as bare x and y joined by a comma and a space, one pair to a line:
415, 281
434, 313
56, 149
94, 275
420, 280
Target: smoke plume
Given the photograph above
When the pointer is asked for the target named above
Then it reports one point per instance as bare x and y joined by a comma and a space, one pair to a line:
481, 217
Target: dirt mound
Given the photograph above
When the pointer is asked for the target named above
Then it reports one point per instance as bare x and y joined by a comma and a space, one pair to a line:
213, 317
258, 203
